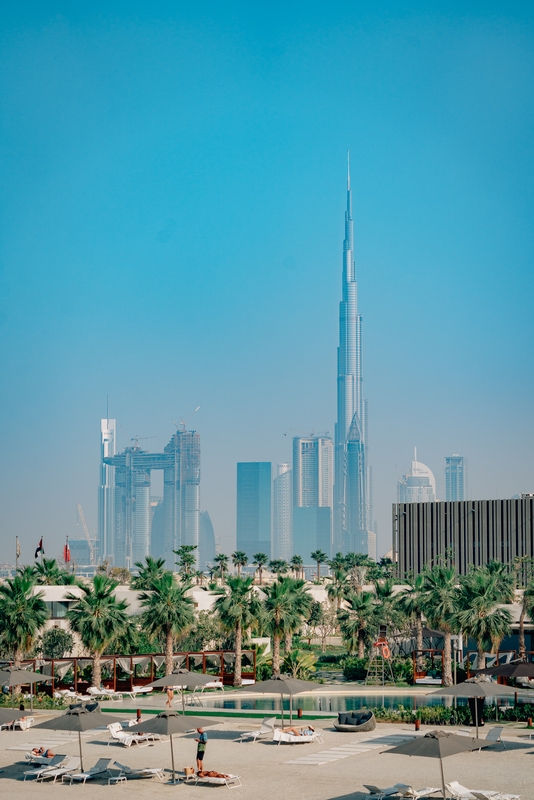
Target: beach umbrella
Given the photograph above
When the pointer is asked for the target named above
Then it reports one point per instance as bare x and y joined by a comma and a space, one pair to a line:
515, 669
8, 715
168, 723
476, 687
15, 676
282, 684
182, 679
438, 744
79, 718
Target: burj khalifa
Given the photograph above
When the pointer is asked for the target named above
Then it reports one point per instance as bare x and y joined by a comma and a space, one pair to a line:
351, 489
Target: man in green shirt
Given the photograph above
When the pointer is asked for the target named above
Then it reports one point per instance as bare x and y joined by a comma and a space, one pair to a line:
201, 746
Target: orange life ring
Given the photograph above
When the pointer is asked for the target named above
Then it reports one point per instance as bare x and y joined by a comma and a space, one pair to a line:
385, 651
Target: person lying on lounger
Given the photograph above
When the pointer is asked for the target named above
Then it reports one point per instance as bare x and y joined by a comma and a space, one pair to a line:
211, 774
308, 731
44, 752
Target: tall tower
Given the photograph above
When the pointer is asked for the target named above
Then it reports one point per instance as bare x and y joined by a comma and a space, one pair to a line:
106, 491
254, 480
351, 497
282, 543
455, 478
312, 495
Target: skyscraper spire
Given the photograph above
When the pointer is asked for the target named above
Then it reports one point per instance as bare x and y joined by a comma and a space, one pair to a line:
350, 489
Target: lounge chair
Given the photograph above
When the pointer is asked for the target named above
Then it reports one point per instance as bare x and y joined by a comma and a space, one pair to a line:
494, 735
267, 728
415, 794
70, 764
126, 773
279, 735
137, 690
231, 781
35, 773
376, 791
21, 724
103, 694
127, 739
459, 792
42, 761
355, 722
70, 694
101, 766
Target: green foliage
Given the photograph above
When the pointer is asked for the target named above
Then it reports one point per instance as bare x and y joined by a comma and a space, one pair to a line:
49, 573
429, 715
166, 608
56, 643
239, 560
355, 669
279, 566
151, 570
299, 664
97, 616
206, 633
186, 557
22, 614
40, 700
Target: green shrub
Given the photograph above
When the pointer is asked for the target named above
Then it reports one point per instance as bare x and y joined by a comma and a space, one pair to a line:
355, 669
331, 658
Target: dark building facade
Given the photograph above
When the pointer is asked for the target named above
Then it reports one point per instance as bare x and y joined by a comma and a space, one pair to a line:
462, 534
254, 507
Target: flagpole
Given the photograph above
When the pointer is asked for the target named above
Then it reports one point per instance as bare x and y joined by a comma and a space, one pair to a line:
17, 553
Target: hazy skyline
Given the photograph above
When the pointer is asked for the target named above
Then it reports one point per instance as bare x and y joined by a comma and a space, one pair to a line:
171, 218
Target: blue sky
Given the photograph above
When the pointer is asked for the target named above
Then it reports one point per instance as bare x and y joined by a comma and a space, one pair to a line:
171, 222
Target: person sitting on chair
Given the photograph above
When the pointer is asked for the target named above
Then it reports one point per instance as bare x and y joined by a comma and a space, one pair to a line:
44, 752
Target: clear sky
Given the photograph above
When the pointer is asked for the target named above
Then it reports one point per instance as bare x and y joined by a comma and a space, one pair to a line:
171, 216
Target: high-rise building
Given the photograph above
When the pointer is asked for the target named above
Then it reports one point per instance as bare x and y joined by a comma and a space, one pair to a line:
312, 495
106, 492
465, 534
351, 485
282, 543
206, 541
371, 545
254, 507
418, 485
176, 519
455, 478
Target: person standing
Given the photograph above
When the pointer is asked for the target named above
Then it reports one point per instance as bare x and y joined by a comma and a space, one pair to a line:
201, 746
170, 696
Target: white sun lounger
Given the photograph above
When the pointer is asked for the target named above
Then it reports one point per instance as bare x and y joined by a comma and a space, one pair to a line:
129, 772
137, 690
127, 739
415, 794
71, 764
266, 729
280, 736
499, 796
231, 781
44, 762
460, 792
379, 793
21, 724
35, 773
101, 766
103, 694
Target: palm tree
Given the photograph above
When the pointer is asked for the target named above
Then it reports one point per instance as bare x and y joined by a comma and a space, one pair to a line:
22, 614
47, 572
411, 603
320, 557
296, 565
237, 609
259, 561
222, 563
355, 619
479, 615
280, 614
301, 603
440, 606
167, 611
98, 617
186, 557
239, 559
151, 570
337, 588
338, 563
279, 566
527, 609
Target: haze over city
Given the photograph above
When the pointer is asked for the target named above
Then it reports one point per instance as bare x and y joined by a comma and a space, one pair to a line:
174, 189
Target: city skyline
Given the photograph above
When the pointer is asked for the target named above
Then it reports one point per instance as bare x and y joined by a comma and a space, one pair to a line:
171, 229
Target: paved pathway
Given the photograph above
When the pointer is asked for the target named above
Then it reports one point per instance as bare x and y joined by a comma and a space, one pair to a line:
351, 749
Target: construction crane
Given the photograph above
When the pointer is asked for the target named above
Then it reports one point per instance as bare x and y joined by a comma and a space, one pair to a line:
183, 423
91, 542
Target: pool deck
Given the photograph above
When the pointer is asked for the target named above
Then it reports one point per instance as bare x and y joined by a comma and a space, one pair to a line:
333, 770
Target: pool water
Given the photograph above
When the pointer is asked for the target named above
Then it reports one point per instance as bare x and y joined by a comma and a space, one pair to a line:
333, 702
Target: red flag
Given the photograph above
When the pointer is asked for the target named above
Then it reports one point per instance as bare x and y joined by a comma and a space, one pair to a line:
66, 552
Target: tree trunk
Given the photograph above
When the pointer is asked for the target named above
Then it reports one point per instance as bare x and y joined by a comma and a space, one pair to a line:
361, 643
168, 652
96, 678
481, 658
318, 570
276, 654
419, 641
288, 644
239, 570
447, 659
261, 576
522, 648
237, 667
17, 659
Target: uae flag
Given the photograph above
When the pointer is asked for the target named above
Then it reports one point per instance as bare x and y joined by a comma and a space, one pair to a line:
66, 552
40, 548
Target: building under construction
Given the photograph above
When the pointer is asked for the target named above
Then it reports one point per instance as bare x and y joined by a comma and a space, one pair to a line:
130, 538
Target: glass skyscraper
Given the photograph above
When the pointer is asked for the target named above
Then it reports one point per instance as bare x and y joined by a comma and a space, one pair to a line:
312, 495
351, 485
455, 478
106, 492
254, 479
418, 485
282, 544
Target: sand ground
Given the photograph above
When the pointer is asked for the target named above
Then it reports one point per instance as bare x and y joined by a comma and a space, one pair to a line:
264, 768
